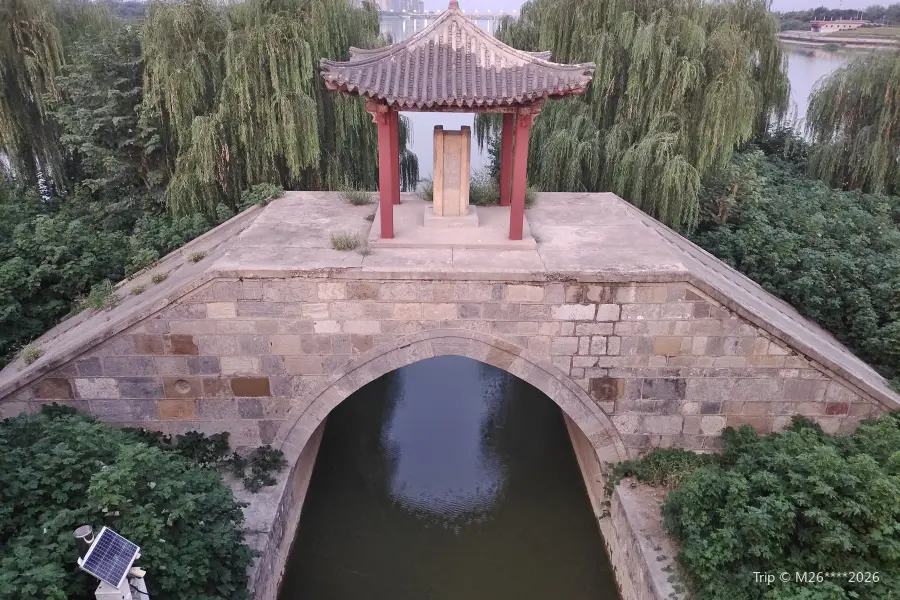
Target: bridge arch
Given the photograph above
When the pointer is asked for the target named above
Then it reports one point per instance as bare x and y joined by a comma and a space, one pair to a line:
313, 407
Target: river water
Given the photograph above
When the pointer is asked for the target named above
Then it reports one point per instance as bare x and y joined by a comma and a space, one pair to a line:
447, 479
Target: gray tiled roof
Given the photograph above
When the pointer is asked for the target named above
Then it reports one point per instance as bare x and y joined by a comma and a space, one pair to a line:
453, 63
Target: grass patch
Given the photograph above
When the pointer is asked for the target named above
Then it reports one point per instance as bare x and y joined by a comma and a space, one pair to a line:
356, 197
102, 296
158, 277
31, 353
196, 256
138, 290
661, 467
364, 248
345, 240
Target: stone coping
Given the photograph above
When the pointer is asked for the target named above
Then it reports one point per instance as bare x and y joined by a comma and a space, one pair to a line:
583, 238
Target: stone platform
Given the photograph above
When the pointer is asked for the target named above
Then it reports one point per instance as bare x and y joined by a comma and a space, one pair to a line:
490, 230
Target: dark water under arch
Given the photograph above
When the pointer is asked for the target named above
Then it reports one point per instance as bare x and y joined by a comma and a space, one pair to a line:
447, 479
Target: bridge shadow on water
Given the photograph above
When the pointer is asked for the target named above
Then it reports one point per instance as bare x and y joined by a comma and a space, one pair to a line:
447, 479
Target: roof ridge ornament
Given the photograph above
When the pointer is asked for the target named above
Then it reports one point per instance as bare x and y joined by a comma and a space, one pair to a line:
454, 5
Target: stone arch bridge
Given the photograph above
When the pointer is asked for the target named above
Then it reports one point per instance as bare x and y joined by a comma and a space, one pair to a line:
642, 338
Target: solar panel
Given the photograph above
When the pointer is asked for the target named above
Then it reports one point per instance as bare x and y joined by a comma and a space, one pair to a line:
110, 557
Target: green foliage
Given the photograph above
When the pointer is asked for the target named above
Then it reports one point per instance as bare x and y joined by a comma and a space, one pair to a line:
30, 354
833, 255
59, 471
101, 297
854, 121
214, 452
355, 196
260, 195
236, 92
345, 240
798, 501
678, 84
661, 467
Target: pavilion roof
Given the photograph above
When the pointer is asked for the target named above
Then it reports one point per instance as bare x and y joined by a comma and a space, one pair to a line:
452, 63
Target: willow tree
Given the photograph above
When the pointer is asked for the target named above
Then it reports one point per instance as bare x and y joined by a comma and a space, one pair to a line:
854, 121
678, 83
238, 94
31, 57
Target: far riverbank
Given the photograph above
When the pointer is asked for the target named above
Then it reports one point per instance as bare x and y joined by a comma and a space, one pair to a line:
808, 38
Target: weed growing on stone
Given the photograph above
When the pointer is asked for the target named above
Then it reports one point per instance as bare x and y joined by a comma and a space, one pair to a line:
158, 277
30, 354
197, 256
138, 290
345, 241
356, 197
102, 296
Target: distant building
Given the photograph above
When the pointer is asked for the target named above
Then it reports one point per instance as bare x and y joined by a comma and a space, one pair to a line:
401, 5
841, 25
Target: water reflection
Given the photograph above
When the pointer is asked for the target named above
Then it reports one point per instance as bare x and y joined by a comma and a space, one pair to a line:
447, 479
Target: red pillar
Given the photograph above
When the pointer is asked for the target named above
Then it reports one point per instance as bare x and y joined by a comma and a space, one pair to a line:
506, 157
386, 154
520, 168
395, 157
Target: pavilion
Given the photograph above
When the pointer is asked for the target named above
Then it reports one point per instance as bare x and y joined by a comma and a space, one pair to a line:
453, 66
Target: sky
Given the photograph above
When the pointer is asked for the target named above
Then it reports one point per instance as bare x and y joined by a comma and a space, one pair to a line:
777, 5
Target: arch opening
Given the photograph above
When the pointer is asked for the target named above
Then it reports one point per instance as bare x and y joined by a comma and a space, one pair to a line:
445, 478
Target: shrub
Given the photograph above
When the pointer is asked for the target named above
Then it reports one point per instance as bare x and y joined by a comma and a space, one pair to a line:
30, 354
138, 289
196, 256
798, 501
260, 194
356, 197
834, 255
345, 240
158, 277
102, 296
59, 471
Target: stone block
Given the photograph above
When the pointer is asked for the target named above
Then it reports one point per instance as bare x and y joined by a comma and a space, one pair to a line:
439, 311
473, 292
762, 424
534, 312
554, 293
606, 389
710, 408
203, 365
583, 362
412, 310
148, 344
239, 365
756, 390
216, 345
326, 326
584, 345
738, 346
363, 290
129, 366
221, 310
171, 365
146, 388
566, 329
608, 312
286, 344
182, 387
712, 425
271, 365
89, 367
598, 345
804, 390
677, 310
332, 291
662, 424
180, 344
837, 408
118, 346
469, 310
155, 326
228, 290
667, 345
573, 312
193, 327
691, 425
690, 408
250, 408
564, 345
640, 312
776, 349
539, 344
593, 328
304, 365
257, 308
500, 311
111, 410
575, 293
669, 388
563, 363
501, 358
250, 386
177, 410
216, 387
613, 345
249, 344
217, 409
96, 387
402, 290
524, 293
317, 343
178, 312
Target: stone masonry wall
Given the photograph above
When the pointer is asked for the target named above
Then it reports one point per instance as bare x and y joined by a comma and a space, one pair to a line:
670, 366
